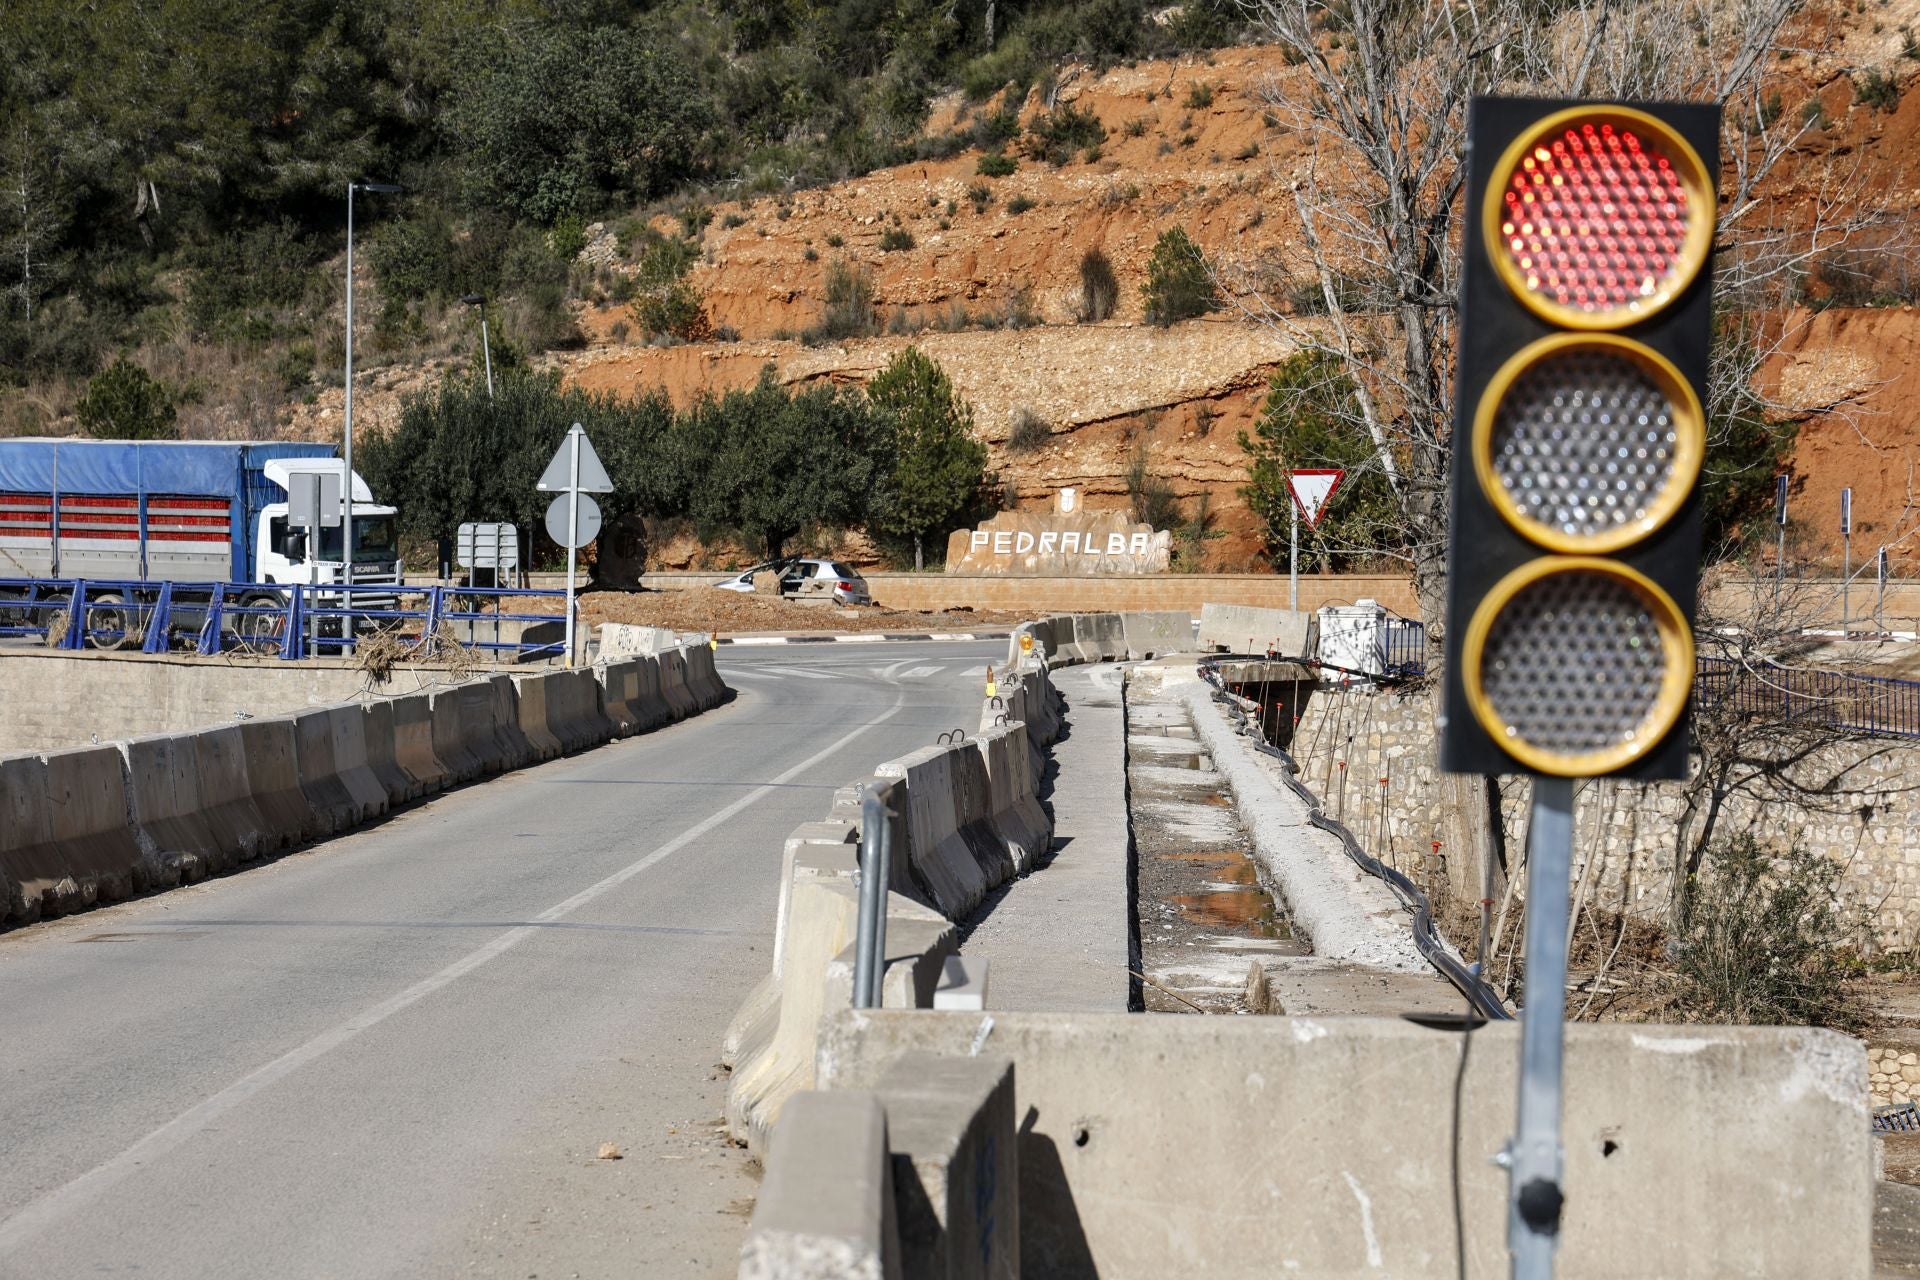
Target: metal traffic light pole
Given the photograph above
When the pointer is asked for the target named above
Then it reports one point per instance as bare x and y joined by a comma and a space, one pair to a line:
1535, 1156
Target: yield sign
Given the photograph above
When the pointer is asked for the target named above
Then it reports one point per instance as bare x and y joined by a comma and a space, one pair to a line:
1312, 490
558, 477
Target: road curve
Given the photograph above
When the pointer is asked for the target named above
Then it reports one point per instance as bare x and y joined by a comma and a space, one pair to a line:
399, 1053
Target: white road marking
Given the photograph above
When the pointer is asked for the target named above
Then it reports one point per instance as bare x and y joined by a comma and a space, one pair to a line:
921, 673
50, 1208
804, 675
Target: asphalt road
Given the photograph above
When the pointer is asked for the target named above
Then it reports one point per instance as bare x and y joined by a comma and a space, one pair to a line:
399, 1053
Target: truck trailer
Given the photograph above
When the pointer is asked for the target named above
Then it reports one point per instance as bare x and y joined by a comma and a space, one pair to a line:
134, 515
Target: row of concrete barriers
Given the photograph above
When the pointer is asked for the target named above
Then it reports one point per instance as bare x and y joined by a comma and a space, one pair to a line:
960, 1144
102, 823
967, 817
1135, 637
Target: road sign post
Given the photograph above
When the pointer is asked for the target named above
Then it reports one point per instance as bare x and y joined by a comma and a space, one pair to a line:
573, 519
1846, 562
1780, 520
1311, 490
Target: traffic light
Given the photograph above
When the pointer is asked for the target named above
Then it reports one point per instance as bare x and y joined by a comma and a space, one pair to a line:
1578, 437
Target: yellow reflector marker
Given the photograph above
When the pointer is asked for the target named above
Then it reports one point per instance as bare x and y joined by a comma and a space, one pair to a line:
1577, 666
1587, 443
1599, 217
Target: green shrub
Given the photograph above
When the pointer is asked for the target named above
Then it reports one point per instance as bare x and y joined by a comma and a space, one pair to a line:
1012, 64
1878, 90
981, 195
996, 164
1056, 135
240, 282
849, 304
996, 129
125, 402
1179, 285
567, 237
672, 308
733, 220
1099, 287
835, 240
895, 239
1765, 940
666, 259
1019, 205
1200, 95
1813, 113
694, 218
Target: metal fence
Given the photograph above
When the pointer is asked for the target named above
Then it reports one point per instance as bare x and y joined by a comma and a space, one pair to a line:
1764, 691
290, 622
1797, 695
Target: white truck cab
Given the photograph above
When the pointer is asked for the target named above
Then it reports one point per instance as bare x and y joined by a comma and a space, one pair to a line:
285, 550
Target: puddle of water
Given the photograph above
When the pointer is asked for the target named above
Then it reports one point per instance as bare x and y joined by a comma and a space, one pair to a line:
1234, 900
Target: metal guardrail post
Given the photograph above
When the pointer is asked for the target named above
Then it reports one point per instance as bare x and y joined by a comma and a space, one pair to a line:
293, 636
209, 642
875, 871
430, 626
76, 616
159, 621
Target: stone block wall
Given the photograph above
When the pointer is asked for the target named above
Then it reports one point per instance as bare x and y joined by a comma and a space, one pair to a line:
1370, 754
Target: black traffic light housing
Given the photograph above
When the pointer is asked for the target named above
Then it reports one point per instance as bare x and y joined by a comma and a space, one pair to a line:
1485, 545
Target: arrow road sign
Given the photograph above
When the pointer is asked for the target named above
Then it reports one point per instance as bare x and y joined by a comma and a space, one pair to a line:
1312, 490
557, 478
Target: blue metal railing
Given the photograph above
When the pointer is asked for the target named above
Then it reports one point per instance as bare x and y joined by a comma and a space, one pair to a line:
291, 621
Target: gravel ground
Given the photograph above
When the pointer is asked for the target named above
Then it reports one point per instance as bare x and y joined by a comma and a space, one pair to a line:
730, 612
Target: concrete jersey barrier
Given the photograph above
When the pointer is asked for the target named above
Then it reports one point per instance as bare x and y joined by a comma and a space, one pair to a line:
1233, 628
169, 818
335, 807
1666, 1154
67, 843
273, 775
1156, 635
227, 806
954, 852
413, 749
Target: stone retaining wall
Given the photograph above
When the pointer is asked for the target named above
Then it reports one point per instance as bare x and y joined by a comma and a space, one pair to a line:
1370, 754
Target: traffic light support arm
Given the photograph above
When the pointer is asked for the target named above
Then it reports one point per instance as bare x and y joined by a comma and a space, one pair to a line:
1535, 1157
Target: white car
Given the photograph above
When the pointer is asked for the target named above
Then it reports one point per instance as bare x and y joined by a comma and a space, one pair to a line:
811, 577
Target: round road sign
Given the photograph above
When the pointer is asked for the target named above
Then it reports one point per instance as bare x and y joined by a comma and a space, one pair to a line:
557, 521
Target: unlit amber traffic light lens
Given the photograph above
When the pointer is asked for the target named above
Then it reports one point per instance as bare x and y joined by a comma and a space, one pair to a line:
1588, 442
1578, 666
1601, 216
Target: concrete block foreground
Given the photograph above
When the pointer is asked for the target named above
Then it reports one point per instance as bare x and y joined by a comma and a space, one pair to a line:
1157, 1145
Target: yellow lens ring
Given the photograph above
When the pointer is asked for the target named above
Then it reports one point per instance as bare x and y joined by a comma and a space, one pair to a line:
1663, 713
1689, 427
1687, 262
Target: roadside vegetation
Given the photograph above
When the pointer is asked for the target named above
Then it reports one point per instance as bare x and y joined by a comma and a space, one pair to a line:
765, 465
175, 177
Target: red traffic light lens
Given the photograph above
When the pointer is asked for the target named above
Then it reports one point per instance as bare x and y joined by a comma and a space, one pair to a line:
1599, 217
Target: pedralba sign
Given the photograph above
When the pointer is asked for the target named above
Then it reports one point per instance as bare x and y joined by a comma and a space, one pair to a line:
1076, 544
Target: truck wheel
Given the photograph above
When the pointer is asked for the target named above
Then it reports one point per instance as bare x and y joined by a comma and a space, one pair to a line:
109, 624
260, 632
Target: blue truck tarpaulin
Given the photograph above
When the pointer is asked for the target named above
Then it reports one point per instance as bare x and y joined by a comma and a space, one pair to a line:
214, 469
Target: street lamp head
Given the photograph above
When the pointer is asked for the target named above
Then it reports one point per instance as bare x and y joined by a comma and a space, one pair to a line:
384, 188
473, 299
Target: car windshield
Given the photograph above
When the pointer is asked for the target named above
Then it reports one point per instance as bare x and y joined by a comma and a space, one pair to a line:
373, 541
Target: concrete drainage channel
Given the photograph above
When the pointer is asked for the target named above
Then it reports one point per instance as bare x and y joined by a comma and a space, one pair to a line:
910, 1140
1205, 913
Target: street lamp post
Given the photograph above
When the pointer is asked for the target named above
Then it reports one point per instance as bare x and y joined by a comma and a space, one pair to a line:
486, 348
346, 487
